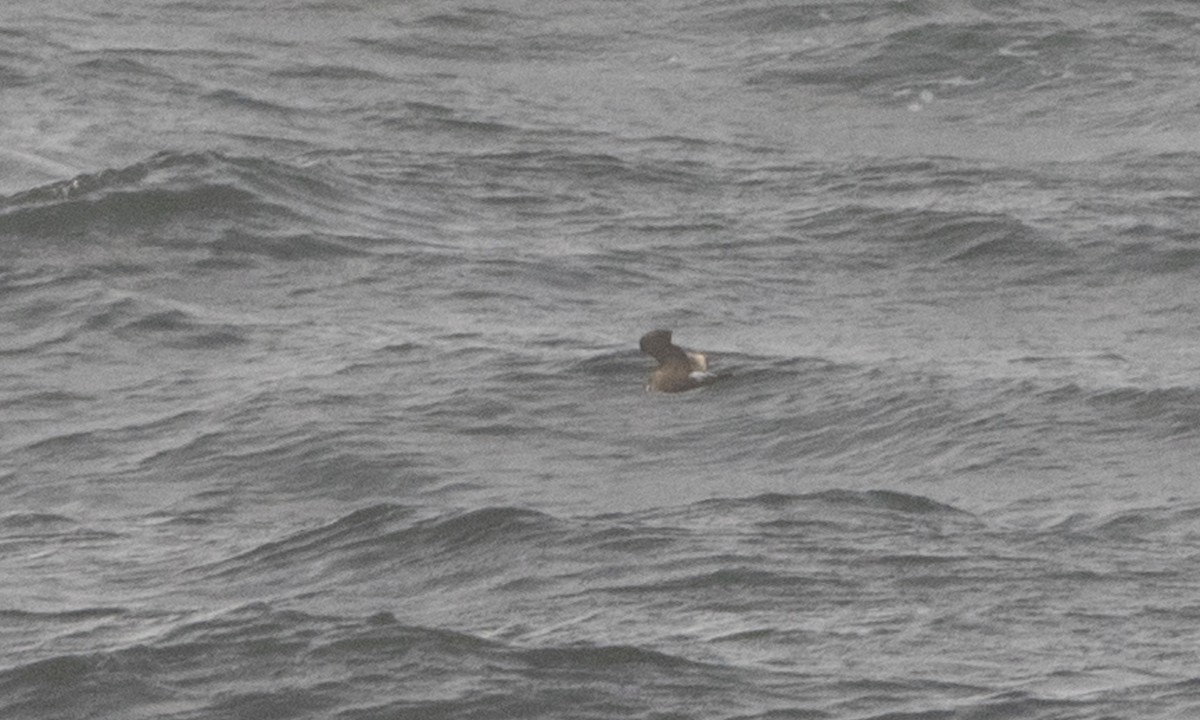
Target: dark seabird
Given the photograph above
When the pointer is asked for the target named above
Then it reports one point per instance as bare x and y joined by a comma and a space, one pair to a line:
678, 369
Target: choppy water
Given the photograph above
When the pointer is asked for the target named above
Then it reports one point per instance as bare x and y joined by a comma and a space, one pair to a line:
322, 399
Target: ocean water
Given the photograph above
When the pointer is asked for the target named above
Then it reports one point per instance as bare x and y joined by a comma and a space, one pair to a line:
321, 395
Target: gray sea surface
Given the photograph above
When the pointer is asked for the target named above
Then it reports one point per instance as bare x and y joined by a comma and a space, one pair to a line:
320, 394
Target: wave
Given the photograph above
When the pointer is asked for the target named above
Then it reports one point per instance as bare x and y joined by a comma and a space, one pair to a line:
1146, 526
719, 600
34, 521
256, 660
61, 616
330, 72
387, 536
1157, 412
886, 236
467, 547
251, 643
886, 500
486, 35
228, 206
77, 315
1155, 257
813, 413
125, 199
984, 55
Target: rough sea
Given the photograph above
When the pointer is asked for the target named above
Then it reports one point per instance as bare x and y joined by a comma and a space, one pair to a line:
320, 393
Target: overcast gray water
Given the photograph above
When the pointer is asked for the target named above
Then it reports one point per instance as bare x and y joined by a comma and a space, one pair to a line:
320, 394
